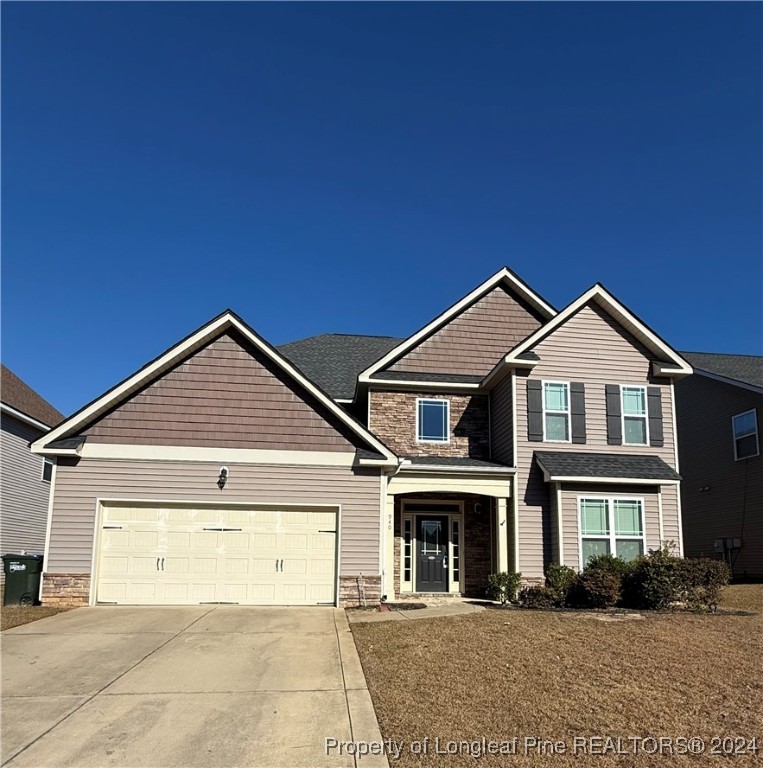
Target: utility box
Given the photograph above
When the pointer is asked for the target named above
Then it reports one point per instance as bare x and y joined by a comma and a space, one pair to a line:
22, 579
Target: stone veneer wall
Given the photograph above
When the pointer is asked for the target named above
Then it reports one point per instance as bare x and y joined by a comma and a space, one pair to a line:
65, 588
351, 591
477, 558
393, 420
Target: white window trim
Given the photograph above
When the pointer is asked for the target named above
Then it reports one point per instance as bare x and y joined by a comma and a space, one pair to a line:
754, 411
420, 400
568, 412
645, 417
611, 523
42, 470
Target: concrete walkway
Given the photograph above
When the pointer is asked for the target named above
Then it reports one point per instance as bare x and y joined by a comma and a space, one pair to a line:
184, 686
434, 609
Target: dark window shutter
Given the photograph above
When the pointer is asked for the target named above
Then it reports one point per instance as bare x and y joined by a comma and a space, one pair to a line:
614, 425
534, 411
654, 409
577, 410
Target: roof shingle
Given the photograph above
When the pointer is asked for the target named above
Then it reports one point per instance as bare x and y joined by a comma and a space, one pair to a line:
625, 466
22, 397
747, 369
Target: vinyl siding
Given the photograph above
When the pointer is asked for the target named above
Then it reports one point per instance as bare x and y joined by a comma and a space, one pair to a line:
590, 348
77, 489
227, 394
733, 507
501, 422
571, 523
24, 502
473, 341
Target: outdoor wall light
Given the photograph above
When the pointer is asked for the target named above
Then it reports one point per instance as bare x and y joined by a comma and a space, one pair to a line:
223, 478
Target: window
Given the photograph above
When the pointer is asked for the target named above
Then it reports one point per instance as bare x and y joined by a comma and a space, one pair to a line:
745, 427
432, 419
456, 549
407, 547
556, 411
635, 423
611, 526
47, 470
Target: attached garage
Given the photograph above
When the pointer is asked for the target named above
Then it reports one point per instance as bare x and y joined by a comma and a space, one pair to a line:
182, 554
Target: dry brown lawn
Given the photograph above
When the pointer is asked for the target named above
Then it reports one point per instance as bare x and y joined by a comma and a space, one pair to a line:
16, 615
556, 676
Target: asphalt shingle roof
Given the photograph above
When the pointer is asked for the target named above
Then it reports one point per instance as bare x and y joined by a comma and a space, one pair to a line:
334, 360
20, 396
457, 378
745, 368
619, 465
452, 461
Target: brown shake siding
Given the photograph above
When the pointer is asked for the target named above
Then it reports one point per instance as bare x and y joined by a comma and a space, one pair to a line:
393, 421
590, 348
732, 507
77, 489
227, 394
473, 341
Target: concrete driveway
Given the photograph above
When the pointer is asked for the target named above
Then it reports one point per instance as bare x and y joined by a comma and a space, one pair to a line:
185, 686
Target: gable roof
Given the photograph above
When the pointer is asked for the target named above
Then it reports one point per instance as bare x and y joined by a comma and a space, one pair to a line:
334, 360
22, 398
741, 369
504, 276
228, 320
668, 362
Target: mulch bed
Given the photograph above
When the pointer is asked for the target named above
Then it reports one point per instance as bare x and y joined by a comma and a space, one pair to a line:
16, 615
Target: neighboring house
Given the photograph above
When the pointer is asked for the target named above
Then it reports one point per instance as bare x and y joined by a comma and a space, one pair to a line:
25, 489
340, 469
720, 415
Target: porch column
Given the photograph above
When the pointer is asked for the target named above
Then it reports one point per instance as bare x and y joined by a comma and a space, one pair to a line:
389, 549
502, 534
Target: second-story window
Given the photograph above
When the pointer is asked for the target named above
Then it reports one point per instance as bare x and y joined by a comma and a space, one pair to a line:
745, 435
635, 423
432, 421
556, 411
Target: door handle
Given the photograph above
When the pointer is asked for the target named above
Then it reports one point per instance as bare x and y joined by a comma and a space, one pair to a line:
276, 565
445, 562
162, 563
157, 563
281, 565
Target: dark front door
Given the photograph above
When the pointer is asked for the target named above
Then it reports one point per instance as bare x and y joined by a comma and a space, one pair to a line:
432, 554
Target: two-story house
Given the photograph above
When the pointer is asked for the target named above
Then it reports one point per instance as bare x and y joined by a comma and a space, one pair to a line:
25, 486
720, 413
503, 435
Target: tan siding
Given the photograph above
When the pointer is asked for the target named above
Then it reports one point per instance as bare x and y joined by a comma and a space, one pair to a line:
78, 487
24, 497
501, 422
227, 394
733, 507
393, 421
592, 349
473, 341
571, 525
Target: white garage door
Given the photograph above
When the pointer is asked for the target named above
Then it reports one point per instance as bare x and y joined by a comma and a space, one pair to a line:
179, 555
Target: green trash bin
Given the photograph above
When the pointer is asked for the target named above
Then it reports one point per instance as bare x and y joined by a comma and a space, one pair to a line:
22, 579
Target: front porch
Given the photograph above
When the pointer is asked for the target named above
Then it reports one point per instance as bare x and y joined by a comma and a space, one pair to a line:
444, 541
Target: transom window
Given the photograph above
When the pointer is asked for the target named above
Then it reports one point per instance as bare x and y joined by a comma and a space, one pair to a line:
745, 427
611, 526
432, 421
556, 411
635, 422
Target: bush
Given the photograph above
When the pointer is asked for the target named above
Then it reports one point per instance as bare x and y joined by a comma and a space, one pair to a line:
614, 565
504, 586
559, 580
703, 581
595, 588
537, 597
655, 582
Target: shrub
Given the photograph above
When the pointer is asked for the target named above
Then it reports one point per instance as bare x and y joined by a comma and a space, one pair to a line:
559, 580
703, 581
614, 565
504, 586
537, 596
655, 582
595, 588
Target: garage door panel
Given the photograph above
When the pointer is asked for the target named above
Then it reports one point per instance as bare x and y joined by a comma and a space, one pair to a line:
164, 556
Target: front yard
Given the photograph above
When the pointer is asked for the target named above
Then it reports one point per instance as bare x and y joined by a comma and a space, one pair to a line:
560, 675
16, 615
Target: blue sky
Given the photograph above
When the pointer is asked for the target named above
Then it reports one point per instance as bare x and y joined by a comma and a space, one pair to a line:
356, 168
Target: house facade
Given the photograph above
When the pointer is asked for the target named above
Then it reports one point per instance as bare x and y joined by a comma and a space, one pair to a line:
720, 415
25, 477
503, 435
